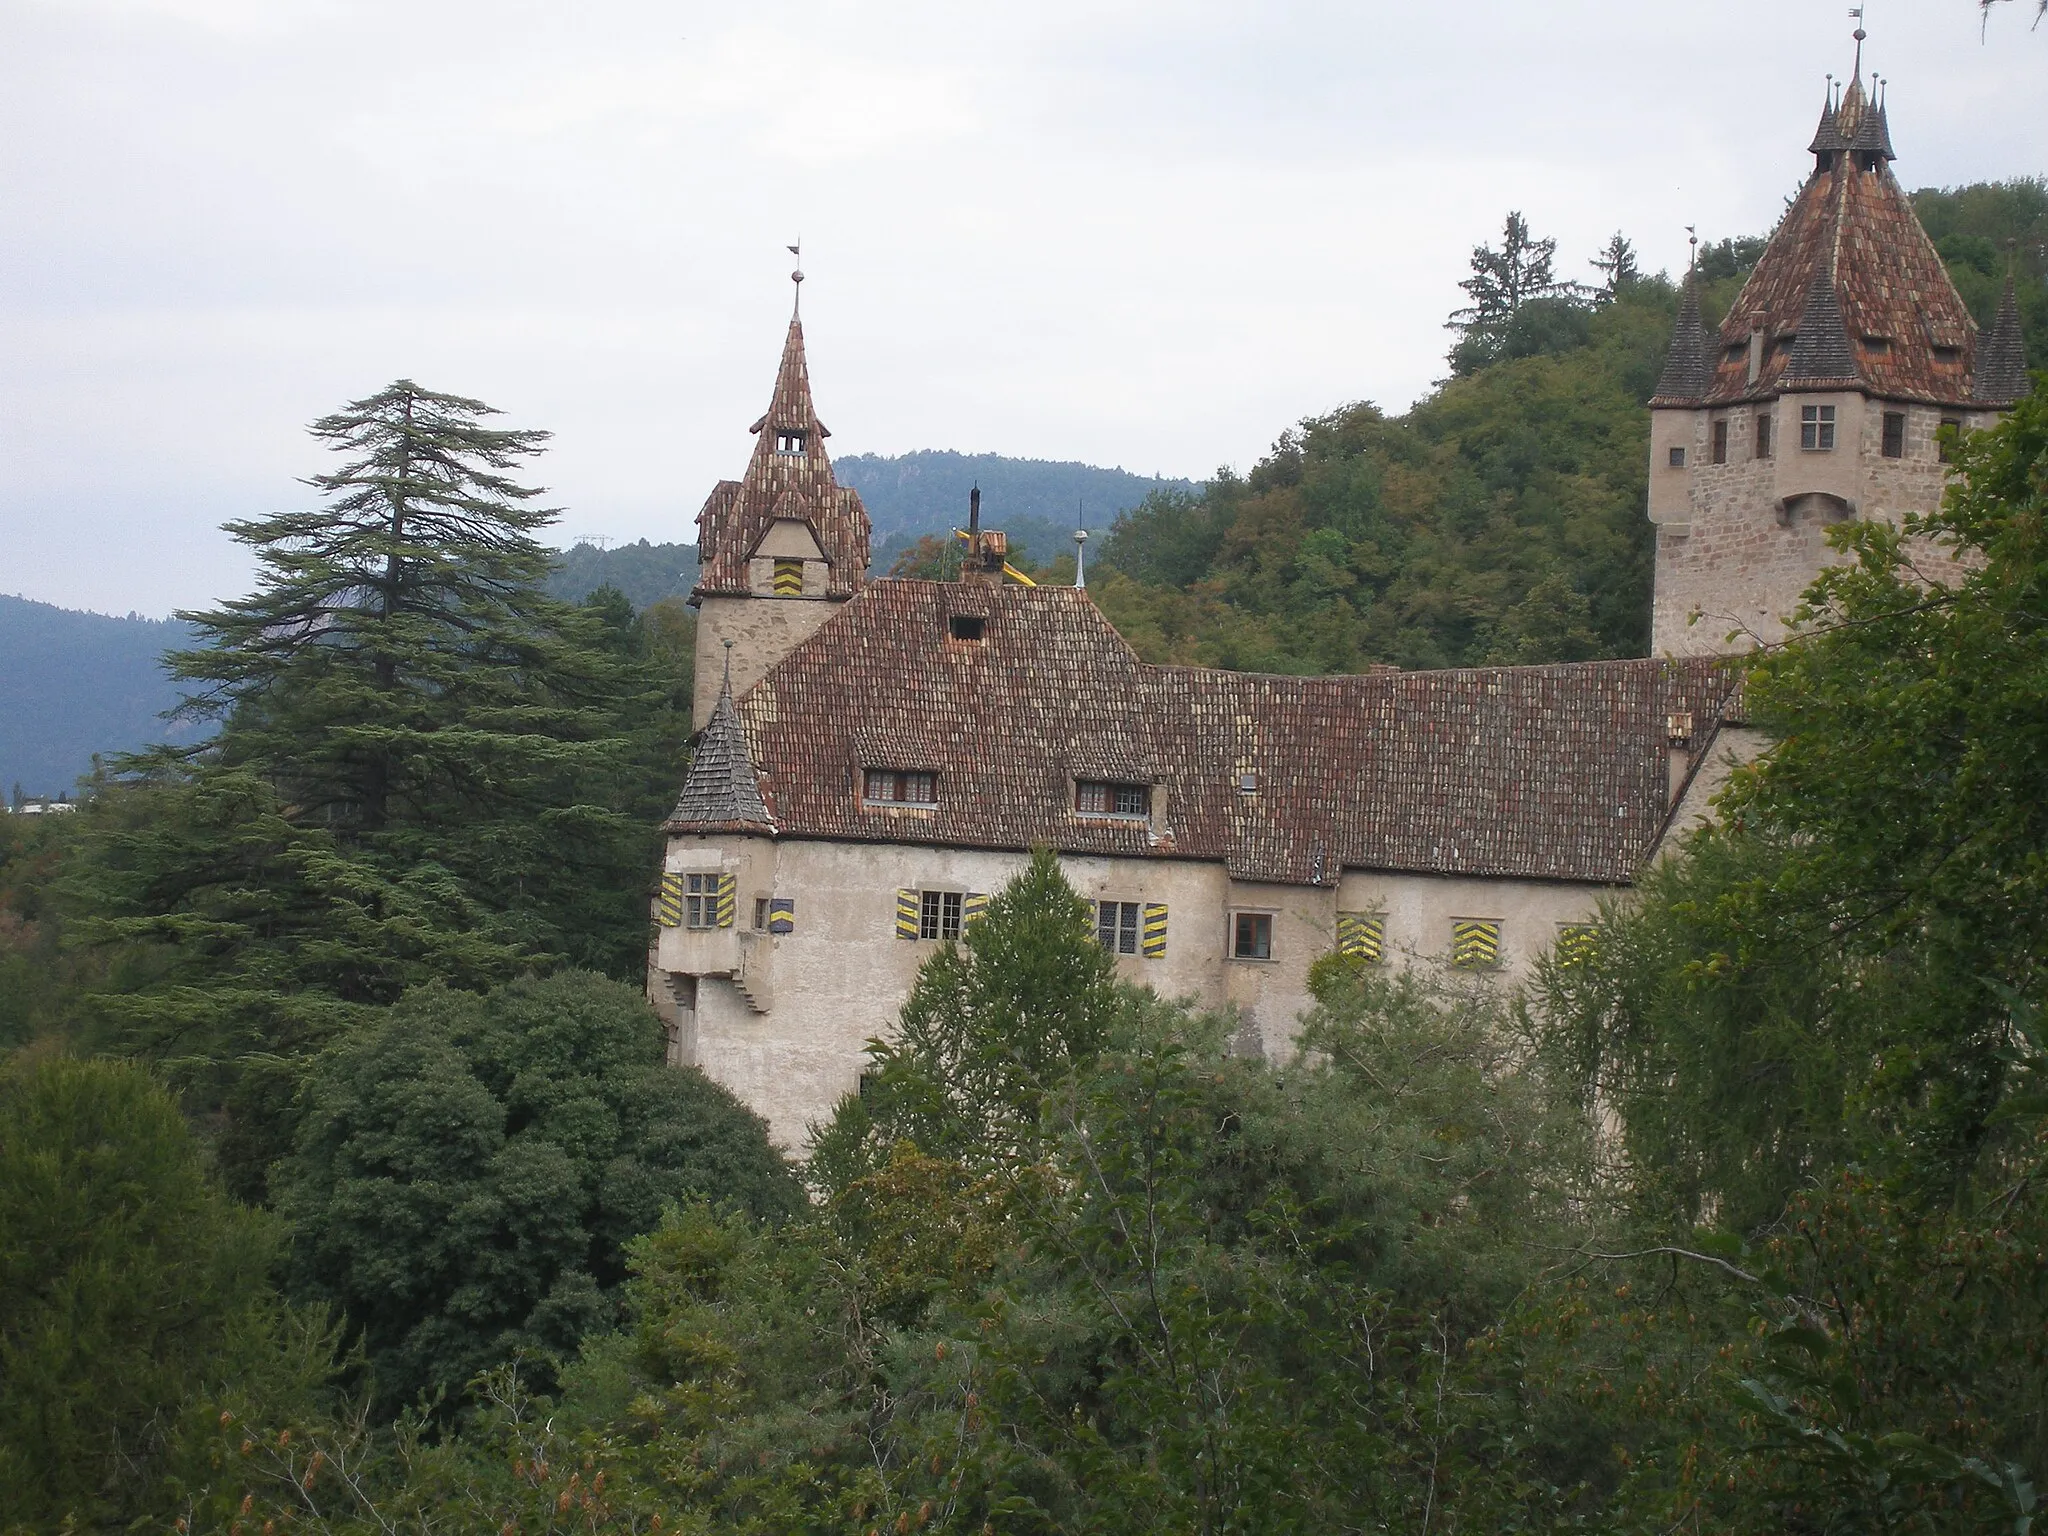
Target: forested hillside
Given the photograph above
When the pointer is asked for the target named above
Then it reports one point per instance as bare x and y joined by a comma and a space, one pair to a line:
1501, 518
73, 684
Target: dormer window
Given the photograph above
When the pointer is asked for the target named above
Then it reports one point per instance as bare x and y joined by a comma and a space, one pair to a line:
967, 626
891, 786
789, 441
1101, 797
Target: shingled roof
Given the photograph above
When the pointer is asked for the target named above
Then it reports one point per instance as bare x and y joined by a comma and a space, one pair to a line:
779, 486
1688, 365
720, 792
2002, 356
1557, 772
1849, 257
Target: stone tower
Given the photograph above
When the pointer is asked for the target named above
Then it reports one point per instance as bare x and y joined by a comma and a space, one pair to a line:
779, 549
1818, 399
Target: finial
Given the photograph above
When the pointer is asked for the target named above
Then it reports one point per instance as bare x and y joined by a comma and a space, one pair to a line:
728, 666
1692, 262
1080, 547
1856, 12
797, 277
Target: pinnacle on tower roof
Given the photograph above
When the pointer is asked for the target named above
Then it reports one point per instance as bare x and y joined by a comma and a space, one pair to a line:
1828, 138
791, 410
2002, 354
721, 788
1687, 366
1822, 354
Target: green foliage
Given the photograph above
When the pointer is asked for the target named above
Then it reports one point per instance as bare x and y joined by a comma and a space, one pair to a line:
426, 769
130, 1289
1499, 520
470, 1170
646, 573
1985, 230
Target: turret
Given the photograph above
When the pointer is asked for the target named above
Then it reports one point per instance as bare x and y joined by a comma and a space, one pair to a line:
1820, 397
781, 547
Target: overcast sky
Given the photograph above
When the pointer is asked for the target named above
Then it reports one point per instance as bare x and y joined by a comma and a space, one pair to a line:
1133, 233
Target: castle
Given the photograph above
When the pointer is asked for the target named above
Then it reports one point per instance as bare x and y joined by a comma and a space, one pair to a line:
878, 755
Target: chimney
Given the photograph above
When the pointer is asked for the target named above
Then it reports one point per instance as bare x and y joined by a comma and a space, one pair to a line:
1756, 344
1678, 759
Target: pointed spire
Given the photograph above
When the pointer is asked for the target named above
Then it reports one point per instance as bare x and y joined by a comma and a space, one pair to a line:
1872, 139
2002, 354
791, 410
1688, 365
1827, 137
721, 788
1822, 353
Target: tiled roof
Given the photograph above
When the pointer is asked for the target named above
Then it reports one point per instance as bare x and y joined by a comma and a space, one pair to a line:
721, 792
2002, 355
1557, 772
1907, 333
777, 486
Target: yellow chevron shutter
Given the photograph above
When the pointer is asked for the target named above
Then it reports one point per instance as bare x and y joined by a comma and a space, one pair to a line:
973, 907
1475, 943
728, 898
906, 914
1575, 943
789, 578
782, 914
668, 906
1361, 936
1153, 940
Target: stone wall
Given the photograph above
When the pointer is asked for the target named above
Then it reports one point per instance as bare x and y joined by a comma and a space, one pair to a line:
763, 631
1739, 542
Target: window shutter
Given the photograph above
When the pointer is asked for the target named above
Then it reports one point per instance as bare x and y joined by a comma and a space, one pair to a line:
1575, 943
906, 914
668, 907
782, 914
973, 907
1154, 942
1475, 943
728, 898
1361, 936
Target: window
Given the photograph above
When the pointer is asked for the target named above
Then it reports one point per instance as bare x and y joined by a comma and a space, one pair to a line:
700, 901
1093, 797
1251, 936
1817, 427
1721, 441
789, 578
1763, 434
789, 442
887, 786
760, 914
1677, 458
967, 626
1575, 943
1475, 943
1116, 926
938, 914
1894, 434
1952, 428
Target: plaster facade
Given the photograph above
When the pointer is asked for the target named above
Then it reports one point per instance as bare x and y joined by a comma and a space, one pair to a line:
784, 1019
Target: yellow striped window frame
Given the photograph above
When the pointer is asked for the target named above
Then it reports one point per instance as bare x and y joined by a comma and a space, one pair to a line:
1362, 936
789, 578
1475, 943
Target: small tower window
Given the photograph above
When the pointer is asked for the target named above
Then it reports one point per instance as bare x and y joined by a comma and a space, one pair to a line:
787, 441
1817, 428
789, 577
1763, 434
1951, 428
1721, 441
1894, 434
1677, 458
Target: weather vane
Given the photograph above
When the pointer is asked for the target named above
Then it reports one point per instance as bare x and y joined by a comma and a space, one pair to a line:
797, 276
1692, 238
